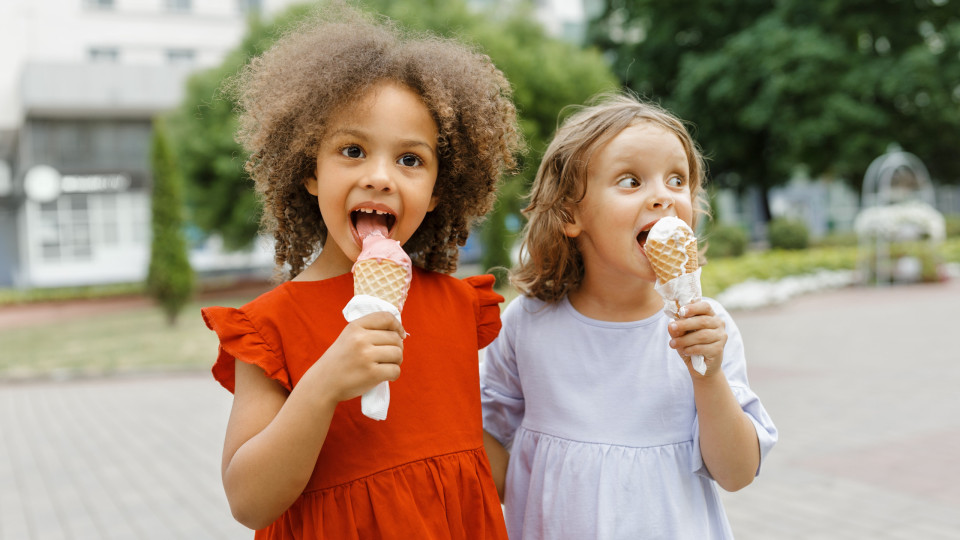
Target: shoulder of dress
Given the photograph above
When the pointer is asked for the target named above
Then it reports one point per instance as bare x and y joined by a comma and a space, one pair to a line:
438, 280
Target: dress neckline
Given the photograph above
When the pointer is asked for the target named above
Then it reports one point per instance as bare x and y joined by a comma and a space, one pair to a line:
568, 307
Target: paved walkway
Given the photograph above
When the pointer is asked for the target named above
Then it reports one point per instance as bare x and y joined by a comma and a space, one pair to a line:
862, 384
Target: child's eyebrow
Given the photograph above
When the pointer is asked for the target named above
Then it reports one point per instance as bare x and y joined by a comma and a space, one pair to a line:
348, 132
418, 142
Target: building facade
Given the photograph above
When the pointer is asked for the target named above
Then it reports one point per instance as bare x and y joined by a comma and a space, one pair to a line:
80, 82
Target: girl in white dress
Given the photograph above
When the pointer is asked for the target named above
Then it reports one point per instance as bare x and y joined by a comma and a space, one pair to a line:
595, 423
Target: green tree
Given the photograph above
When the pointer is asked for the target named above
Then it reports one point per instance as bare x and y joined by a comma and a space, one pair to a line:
547, 74
220, 195
170, 279
774, 85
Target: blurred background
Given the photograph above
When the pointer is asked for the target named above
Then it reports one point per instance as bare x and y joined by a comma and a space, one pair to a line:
810, 114
832, 132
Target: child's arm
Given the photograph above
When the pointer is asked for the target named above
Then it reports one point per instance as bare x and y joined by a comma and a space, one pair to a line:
728, 439
499, 458
274, 438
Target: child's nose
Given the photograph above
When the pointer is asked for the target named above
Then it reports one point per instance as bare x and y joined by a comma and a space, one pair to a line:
378, 176
662, 198
664, 202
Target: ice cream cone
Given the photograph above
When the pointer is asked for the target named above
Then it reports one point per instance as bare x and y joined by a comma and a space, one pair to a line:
382, 270
384, 279
671, 249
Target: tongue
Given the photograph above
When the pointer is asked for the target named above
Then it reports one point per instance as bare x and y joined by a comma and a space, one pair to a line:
371, 223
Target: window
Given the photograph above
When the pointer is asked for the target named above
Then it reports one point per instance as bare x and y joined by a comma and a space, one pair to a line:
82, 227
99, 4
107, 216
65, 229
253, 7
104, 54
177, 5
102, 145
180, 56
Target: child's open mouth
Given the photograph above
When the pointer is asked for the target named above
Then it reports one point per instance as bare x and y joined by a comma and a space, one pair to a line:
368, 220
642, 238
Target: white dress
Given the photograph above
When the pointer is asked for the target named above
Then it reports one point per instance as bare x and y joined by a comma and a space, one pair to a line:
600, 422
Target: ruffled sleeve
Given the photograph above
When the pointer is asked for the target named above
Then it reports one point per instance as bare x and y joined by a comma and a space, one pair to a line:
488, 308
241, 340
501, 392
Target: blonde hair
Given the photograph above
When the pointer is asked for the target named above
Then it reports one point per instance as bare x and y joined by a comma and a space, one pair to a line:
551, 266
288, 95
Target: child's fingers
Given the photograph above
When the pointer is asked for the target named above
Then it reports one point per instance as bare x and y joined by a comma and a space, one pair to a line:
700, 332
692, 342
383, 337
700, 307
388, 372
681, 327
707, 350
381, 320
368, 351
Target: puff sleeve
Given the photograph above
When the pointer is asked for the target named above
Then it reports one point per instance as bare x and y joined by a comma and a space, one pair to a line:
501, 391
240, 339
488, 308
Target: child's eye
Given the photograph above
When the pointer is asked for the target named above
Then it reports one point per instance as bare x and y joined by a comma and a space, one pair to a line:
410, 160
628, 182
352, 151
677, 181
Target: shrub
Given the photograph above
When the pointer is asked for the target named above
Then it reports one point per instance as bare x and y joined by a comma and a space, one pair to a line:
953, 225
788, 234
901, 256
170, 279
837, 239
726, 241
950, 250
719, 274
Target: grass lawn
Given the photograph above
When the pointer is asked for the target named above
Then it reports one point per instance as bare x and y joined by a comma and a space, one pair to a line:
132, 340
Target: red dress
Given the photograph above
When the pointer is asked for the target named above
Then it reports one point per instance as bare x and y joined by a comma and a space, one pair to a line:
420, 474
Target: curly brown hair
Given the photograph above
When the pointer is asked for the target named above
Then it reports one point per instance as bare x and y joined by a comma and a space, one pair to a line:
551, 265
288, 95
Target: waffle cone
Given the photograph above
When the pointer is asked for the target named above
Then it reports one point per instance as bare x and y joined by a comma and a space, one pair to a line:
384, 279
673, 258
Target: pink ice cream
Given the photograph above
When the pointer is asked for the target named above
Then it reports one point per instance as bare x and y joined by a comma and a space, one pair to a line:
373, 234
376, 246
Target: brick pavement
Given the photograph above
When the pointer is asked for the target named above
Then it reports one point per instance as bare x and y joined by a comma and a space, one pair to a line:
123, 458
862, 384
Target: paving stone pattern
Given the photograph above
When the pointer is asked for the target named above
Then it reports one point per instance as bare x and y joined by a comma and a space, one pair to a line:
862, 384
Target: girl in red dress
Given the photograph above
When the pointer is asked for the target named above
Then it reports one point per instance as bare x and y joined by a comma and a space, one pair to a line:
343, 117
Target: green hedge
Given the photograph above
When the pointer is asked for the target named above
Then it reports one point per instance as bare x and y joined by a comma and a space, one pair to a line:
721, 273
59, 294
784, 233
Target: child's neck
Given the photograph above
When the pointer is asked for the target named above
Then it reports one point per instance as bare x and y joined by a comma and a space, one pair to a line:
328, 264
621, 303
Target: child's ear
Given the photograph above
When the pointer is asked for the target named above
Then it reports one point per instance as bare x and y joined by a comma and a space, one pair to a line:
572, 227
433, 203
310, 183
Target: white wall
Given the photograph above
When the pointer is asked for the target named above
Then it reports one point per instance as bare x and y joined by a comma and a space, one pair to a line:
64, 31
